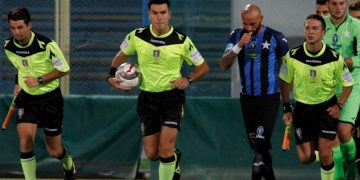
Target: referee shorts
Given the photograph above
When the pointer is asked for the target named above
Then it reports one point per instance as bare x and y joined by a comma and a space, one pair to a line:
160, 109
45, 110
313, 121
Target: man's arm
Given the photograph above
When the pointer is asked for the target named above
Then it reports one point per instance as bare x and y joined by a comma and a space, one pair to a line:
31, 81
199, 72
345, 93
228, 58
285, 94
116, 62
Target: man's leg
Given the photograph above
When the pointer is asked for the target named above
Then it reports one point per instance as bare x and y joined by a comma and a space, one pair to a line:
166, 152
338, 161
326, 159
356, 136
348, 148
26, 132
55, 149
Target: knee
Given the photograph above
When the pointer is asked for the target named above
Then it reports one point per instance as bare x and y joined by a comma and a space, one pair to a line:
152, 154
344, 136
166, 151
55, 152
326, 158
306, 159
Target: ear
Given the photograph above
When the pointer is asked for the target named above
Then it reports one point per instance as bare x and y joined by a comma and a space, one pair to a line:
30, 25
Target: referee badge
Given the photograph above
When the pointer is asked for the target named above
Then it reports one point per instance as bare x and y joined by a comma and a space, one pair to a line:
25, 63
156, 53
312, 73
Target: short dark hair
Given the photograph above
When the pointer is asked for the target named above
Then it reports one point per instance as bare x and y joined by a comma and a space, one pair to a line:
19, 13
355, 6
151, 2
319, 18
321, 2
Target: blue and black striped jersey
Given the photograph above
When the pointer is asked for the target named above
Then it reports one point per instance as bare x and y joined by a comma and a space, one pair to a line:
259, 60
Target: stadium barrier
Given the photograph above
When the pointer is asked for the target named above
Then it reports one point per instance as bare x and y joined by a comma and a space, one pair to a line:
103, 133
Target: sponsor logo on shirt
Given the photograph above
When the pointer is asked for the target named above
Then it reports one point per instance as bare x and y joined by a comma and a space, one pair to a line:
347, 76
22, 52
314, 61
124, 45
157, 41
58, 63
229, 47
284, 69
196, 57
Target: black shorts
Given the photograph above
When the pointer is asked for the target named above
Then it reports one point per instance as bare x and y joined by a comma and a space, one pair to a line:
313, 121
44, 110
260, 114
160, 109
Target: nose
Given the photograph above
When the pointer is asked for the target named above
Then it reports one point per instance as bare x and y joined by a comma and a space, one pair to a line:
249, 28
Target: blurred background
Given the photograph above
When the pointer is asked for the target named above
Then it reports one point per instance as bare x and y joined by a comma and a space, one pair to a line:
100, 124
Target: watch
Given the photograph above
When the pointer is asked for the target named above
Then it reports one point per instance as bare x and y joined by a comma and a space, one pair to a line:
40, 80
189, 79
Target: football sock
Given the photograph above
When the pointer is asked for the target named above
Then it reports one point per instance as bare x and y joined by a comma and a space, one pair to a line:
348, 150
357, 143
66, 159
257, 167
327, 172
339, 163
167, 168
28, 164
268, 170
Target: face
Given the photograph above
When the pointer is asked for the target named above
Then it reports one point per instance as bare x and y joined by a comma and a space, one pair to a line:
20, 30
313, 31
251, 21
159, 15
355, 14
337, 8
322, 10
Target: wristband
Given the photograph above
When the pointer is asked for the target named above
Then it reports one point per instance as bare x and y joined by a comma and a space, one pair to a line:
236, 49
287, 107
16, 79
111, 73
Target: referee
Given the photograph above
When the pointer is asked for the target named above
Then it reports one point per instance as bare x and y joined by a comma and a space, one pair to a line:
39, 63
161, 50
315, 68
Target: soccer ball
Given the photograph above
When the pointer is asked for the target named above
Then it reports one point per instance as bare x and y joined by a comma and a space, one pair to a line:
129, 74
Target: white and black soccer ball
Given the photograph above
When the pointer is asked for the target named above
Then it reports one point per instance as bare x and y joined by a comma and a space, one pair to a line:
129, 74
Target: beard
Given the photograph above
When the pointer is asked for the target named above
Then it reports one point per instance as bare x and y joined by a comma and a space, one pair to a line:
254, 32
